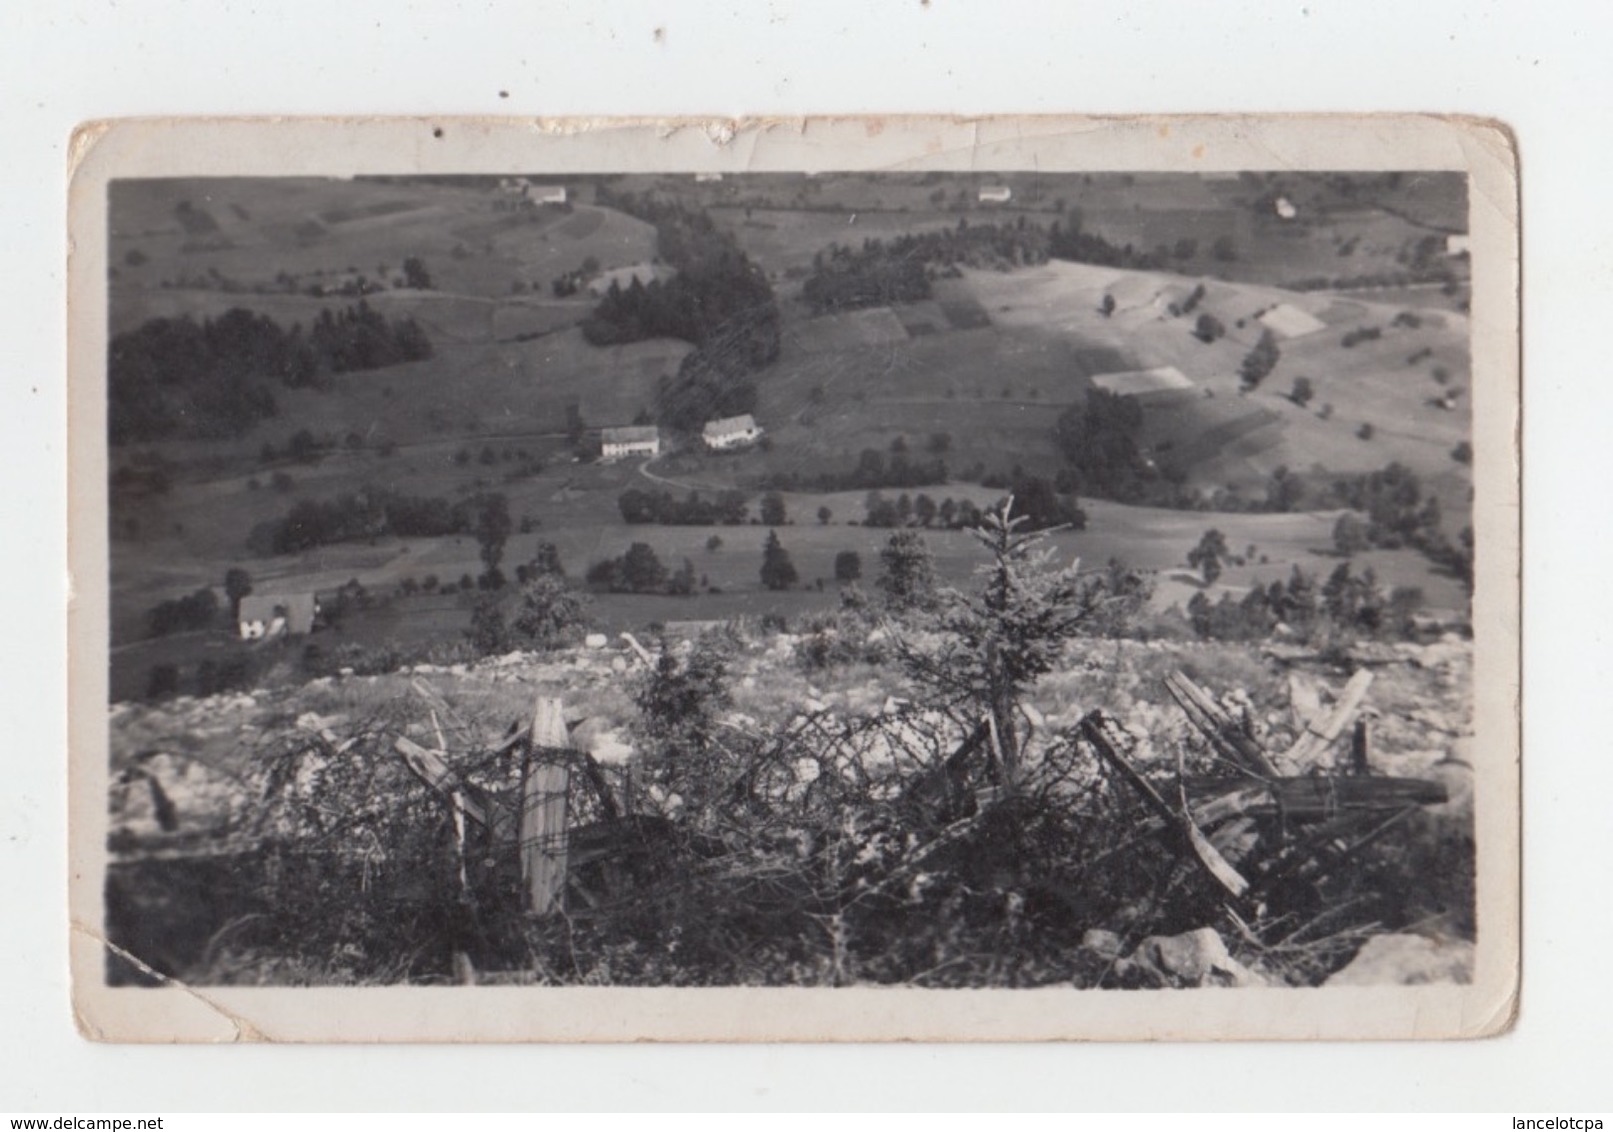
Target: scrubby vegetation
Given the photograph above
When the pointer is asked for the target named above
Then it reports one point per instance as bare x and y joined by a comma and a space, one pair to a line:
962, 838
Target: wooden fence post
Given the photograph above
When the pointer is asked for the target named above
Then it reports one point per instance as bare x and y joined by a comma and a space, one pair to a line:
544, 787
1361, 748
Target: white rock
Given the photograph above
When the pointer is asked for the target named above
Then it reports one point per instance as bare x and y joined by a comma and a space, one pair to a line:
609, 747
1193, 959
1407, 961
596, 640
1106, 943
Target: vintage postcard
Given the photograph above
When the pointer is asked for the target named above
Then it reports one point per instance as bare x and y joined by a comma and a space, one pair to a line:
859, 579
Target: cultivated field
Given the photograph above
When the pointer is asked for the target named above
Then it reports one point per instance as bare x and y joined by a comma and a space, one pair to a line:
976, 374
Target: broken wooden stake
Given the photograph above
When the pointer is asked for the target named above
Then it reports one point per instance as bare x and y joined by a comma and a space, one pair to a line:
1308, 799
1361, 748
545, 783
430, 768
644, 654
1224, 734
1096, 728
1320, 734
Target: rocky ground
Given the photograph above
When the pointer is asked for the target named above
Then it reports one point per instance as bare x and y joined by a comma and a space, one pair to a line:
191, 775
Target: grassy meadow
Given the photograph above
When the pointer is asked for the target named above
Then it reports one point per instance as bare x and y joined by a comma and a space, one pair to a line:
978, 373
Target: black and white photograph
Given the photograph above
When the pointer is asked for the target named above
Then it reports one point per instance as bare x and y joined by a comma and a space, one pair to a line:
1089, 578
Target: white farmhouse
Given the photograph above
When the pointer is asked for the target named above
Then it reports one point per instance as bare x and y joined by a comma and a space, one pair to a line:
731, 432
996, 194
631, 440
263, 616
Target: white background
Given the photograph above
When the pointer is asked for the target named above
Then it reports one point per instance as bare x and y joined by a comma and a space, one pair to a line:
1541, 68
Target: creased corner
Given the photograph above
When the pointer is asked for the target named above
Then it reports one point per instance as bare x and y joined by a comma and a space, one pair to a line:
1503, 1018
244, 1029
85, 136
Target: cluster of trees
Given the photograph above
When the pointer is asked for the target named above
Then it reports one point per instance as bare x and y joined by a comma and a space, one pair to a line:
547, 614
173, 377
1440, 273
1190, 304
371, 513
1209, 555
1260, 360
848, 567
361, 338
641, 571
1208, 328
415, 275
639, 505
570, 282
906, 572
778, 571
846, 279
1356, 604
719, 300
921, 510
176, 377
1392, 500
209, 678
198, 610
1098, 439
696, 305
1080, 246
1396, 514
1039, 503
902, 269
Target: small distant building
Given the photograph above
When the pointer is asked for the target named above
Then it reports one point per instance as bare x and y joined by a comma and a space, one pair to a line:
1285, 208
632, 440
530, 191
996, 194
731, 432
704, 178
264, 616
1144, 383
